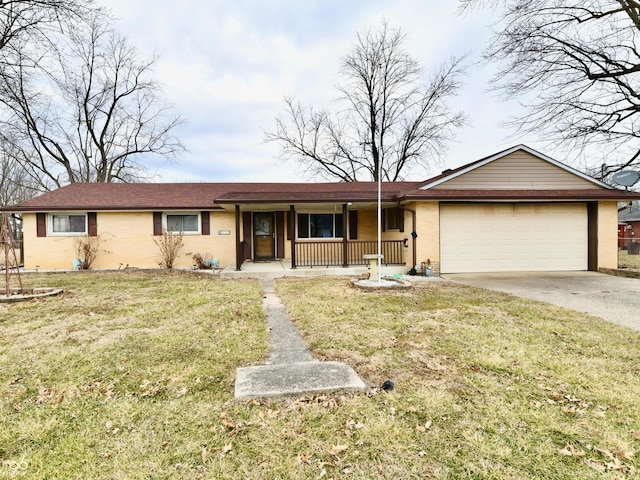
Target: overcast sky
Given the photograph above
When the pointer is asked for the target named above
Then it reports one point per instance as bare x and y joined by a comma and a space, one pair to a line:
227, 65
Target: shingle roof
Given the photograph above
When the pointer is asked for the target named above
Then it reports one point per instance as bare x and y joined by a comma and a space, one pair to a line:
527, 195
627, 215
202, 196
207, 196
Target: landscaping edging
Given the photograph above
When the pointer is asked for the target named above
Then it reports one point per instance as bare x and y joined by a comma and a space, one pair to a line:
29, 294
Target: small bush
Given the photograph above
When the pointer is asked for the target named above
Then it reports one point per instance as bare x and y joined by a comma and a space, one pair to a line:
87, 250
204, 262
169, 244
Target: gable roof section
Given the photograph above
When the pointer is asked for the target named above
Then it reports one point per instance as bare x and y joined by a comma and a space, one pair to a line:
544, 180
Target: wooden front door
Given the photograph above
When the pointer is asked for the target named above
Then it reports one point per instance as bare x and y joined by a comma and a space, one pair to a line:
263, 236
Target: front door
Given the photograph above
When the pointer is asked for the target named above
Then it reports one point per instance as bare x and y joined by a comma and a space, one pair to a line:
263, 236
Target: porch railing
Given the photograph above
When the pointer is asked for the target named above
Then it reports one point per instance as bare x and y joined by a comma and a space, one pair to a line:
330, 253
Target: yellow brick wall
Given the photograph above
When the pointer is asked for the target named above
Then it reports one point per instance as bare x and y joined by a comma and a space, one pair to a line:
607, 235
127, 238
428, 230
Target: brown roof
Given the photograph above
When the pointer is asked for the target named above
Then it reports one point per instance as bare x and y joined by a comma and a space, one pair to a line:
527, 195
207, 196
202, 196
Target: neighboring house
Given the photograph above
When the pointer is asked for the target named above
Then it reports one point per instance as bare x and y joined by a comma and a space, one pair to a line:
517, 210
629, 225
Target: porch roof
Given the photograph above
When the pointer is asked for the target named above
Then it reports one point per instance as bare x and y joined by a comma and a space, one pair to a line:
342, 192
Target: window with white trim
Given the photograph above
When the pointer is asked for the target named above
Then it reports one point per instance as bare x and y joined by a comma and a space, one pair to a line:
68, 223
182, 222
320, 225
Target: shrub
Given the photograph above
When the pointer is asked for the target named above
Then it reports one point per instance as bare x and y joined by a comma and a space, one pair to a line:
87, 250
169, 244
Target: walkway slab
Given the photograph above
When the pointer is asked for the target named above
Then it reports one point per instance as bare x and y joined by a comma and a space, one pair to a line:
272, 381
291, 369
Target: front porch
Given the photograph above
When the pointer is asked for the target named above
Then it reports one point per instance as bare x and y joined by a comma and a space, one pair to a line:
282, 268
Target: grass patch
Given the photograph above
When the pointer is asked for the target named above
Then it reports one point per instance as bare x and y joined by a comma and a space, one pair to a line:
487, 385
130, 375
628, 261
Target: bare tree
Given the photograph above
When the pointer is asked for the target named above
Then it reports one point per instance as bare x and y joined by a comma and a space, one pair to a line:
575, 65
384, 123
15, 184
87, 110
34, 19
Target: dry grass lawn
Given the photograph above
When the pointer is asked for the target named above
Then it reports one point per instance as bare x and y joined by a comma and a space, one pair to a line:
130, 376
628, 261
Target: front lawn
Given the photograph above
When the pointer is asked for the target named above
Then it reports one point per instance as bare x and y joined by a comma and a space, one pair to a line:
129, 375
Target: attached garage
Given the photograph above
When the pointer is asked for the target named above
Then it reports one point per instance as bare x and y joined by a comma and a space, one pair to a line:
503, 237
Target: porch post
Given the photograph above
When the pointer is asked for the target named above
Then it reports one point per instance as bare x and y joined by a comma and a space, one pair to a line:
345, 240
239, 249
292, 234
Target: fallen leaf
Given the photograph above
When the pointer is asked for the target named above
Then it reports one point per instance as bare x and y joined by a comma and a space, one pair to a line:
182, 392
572, 451
228, 424
305, 458
335, 450
227, 449
203, 454
590, 462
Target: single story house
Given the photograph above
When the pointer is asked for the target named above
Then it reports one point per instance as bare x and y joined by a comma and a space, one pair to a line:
516, 210
629, 226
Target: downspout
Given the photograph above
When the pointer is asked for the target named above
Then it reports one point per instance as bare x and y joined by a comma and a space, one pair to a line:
414, 235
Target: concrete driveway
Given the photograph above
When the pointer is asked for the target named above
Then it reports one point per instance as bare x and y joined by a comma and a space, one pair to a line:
615, 299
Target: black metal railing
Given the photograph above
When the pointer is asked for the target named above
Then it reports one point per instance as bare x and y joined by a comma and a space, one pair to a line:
330, 253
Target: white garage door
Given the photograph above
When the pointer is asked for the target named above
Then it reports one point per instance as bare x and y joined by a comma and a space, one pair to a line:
513, 237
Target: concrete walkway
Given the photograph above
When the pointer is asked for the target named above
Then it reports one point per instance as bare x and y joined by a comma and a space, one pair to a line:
291, 369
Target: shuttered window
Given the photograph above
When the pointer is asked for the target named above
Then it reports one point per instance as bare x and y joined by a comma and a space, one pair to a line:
41, 224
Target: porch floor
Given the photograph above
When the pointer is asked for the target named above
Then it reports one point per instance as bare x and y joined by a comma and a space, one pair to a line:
282, 268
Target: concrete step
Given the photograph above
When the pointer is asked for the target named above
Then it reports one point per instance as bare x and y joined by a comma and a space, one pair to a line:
282, 380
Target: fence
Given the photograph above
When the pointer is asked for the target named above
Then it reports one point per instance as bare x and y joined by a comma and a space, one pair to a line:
331, 253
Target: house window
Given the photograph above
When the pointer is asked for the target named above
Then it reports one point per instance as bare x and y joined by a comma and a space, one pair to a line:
394, 218
320, 225
185, 223
67, 223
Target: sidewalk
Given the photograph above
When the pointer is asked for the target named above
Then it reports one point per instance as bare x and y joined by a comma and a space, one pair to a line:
290, 369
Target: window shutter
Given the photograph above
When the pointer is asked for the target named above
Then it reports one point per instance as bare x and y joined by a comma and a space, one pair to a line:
383, 219
289, 225
157, 223
204, 219
41, 224
246, 233
280, 234
353, 225
401, 219
92, 224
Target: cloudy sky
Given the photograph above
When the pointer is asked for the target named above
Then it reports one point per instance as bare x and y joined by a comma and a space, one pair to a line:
227, 65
